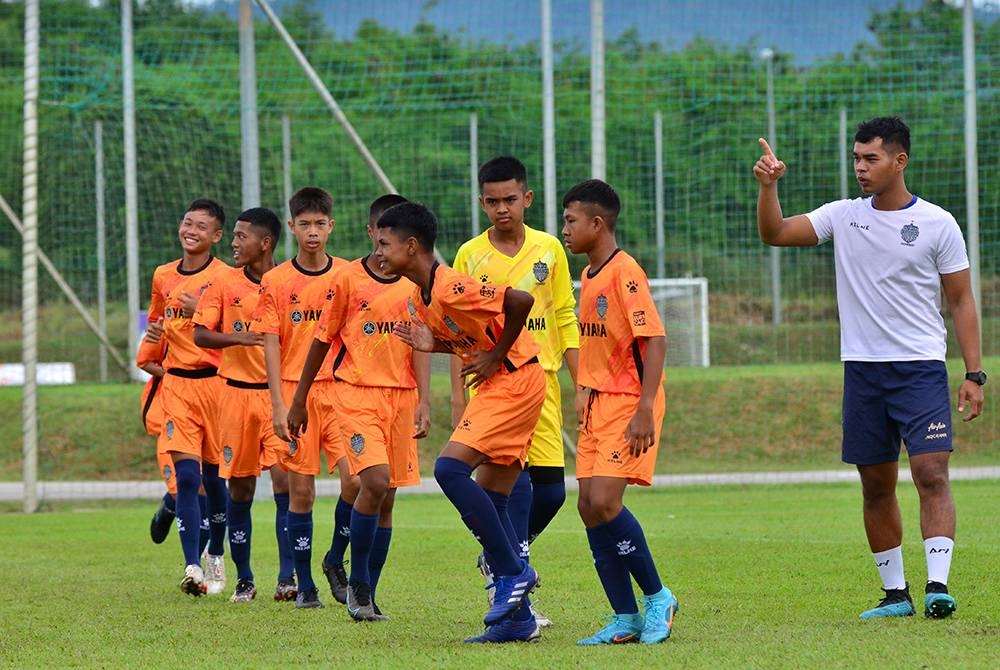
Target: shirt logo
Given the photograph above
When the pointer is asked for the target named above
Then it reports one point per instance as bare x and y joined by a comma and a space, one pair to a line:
411, 308
227, 453
167, 472
363, 306
487, 292
296, 316
237, 326
294, 299
236, 302
368, 328
602, 306
169, 429
357, 443
632, 286
452, 326
293, 446
909, 233
541, 271
458, 289
639, 318
484, 278
329, 294
169, 313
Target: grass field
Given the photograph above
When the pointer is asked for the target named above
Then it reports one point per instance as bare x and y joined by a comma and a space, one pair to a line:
767, 577
781, 417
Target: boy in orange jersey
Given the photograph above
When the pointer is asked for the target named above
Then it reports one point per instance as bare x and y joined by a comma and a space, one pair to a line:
484, 325
149, 359
191, 388
620, 405
294, 296
224, 321
382, 399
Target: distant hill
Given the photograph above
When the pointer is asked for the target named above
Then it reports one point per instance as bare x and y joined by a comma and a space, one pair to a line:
808, 29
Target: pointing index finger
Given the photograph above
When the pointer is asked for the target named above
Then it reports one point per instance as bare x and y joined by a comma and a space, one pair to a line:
765, 146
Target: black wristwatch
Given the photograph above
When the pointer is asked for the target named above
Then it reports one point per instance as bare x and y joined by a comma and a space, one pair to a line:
978, 377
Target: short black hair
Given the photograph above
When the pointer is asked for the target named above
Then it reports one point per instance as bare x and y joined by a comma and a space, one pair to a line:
262, 217
891, 129
599, 194
213, 208
503, 168
310, 199
411, 219
382, 203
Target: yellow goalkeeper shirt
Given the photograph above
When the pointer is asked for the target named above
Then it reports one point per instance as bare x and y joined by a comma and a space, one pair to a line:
541, 269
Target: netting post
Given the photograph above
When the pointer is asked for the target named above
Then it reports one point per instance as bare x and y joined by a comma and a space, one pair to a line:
131, 187
971, 150
767, 55
598, 147
102, 277
661, 241
29, 257
548, 123
474, 172
843, 154
286, 173
249, 141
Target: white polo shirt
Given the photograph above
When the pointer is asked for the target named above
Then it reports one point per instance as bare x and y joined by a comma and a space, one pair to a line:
888, 267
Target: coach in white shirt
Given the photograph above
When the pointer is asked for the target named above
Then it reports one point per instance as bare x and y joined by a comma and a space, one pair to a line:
893, 252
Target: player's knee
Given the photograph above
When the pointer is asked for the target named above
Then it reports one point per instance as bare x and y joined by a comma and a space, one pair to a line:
241, 489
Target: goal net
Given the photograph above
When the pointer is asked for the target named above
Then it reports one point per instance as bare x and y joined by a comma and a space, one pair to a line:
683, 307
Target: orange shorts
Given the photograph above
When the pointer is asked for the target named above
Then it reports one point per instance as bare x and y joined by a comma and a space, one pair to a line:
500, 418
189, 413
601, 449
152, 421
376, 424
301, 456
246, 432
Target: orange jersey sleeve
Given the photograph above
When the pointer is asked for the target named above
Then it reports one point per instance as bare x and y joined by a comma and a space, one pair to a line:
292, 302
228, 306
617, 314
169, 283
468, 315
150, 352
358, 323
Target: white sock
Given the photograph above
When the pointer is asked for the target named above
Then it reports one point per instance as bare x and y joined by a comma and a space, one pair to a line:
890, 567
939, 551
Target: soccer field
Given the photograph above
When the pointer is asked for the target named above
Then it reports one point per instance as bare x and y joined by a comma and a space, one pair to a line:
766, 577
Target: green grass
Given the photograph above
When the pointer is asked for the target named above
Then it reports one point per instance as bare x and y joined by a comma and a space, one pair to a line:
782, 417
767, 577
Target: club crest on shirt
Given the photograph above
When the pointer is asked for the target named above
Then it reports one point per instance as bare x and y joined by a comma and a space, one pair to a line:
541, 271
909, 233
412, 309
602, 306
357, 443
452, 326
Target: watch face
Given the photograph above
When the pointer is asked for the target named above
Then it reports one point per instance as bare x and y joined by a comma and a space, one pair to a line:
978, 377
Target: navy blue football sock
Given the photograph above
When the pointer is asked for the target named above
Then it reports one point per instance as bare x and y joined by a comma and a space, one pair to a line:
548, 493
286, 562
478, 513
188, 472
300, 534
169, 503
240, 528
218, 500
203, 524
611, 571
519, 511
363, 529
632, 550
341, 532
380, 552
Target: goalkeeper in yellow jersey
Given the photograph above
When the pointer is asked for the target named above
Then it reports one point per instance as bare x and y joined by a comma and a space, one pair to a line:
510, 252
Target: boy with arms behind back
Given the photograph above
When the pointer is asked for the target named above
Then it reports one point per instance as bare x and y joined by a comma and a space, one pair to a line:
294, 295
513, 254
620, 406
482, 323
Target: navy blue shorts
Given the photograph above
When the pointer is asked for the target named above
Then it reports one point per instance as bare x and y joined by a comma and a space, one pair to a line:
887, 402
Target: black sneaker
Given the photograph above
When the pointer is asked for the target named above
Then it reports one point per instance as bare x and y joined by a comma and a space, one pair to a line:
336, 575
159, 527
938, 604
245, 592
897, 602
308, 599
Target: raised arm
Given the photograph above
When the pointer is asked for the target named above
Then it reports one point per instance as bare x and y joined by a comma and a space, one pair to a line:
774, 228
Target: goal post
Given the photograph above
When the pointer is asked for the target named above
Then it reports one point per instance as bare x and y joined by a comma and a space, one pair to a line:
683, 307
